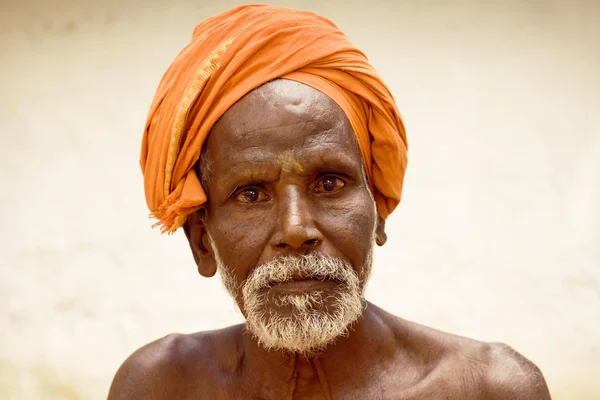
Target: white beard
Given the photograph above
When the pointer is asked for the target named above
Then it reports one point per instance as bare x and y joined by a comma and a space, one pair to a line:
310, 327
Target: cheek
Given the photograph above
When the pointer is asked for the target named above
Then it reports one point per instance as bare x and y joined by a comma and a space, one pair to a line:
348, 224
240, 238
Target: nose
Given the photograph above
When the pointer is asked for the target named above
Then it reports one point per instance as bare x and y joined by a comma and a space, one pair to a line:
296, 227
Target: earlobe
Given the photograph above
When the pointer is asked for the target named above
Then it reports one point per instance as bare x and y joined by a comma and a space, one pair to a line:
380, 235
195, 231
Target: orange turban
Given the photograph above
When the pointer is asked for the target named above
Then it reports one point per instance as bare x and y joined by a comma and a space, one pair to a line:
237, 51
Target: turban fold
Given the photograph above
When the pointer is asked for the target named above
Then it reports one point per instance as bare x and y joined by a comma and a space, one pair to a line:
235, 52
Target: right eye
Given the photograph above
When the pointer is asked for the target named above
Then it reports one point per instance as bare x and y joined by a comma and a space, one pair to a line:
251, 195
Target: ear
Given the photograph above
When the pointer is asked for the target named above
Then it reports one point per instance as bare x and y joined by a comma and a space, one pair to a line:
380, 236
195, 231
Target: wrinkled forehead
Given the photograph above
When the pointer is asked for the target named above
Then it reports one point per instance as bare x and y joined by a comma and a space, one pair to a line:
283, 115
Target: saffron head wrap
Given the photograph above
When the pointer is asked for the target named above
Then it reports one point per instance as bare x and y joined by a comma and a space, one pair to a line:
236, 51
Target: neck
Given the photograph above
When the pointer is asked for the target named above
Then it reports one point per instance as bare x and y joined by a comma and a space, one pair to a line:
280, 373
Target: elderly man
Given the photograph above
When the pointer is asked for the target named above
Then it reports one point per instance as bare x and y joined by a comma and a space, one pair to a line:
277, 148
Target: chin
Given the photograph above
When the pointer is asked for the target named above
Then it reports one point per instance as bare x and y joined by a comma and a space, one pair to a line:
299, 304
302, 323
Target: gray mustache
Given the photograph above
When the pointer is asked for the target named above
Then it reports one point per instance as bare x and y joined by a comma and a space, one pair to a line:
289, 267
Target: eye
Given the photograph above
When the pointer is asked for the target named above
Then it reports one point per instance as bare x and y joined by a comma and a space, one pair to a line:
251, 195
329, 184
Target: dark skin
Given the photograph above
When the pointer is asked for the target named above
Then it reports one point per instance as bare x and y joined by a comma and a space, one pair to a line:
287, 178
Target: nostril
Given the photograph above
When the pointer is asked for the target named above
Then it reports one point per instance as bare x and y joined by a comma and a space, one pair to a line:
282, 245
312, 242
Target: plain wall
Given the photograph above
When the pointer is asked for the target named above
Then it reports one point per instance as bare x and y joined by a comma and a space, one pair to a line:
497, 236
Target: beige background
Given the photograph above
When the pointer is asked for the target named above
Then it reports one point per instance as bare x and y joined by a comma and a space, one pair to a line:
497, 237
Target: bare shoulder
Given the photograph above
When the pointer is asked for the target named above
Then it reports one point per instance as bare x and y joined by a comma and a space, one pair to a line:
491, 371
464, 368
163, 369
509, 375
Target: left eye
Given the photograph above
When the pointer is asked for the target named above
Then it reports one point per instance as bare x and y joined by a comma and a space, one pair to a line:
329, 184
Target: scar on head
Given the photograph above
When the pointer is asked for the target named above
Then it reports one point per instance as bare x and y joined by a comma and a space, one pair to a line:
288, 162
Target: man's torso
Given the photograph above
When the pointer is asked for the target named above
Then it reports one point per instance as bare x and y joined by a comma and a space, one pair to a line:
421, 363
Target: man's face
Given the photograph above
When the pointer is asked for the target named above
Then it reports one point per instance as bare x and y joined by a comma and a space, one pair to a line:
290, 219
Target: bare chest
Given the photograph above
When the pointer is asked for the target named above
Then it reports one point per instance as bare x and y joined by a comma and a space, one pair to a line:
394, 386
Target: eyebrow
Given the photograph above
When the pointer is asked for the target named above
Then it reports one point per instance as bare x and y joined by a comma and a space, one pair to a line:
248, 171
256, 168
334, 160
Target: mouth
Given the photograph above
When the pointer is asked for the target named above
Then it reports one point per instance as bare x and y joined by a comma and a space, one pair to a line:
299, 285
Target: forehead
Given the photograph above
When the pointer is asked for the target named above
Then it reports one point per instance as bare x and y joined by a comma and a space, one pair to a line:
282, 117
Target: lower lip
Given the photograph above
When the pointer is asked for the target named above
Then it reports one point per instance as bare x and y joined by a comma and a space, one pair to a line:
303, 285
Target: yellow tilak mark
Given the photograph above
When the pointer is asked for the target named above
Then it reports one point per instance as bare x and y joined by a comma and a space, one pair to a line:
207, 68
288, 163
